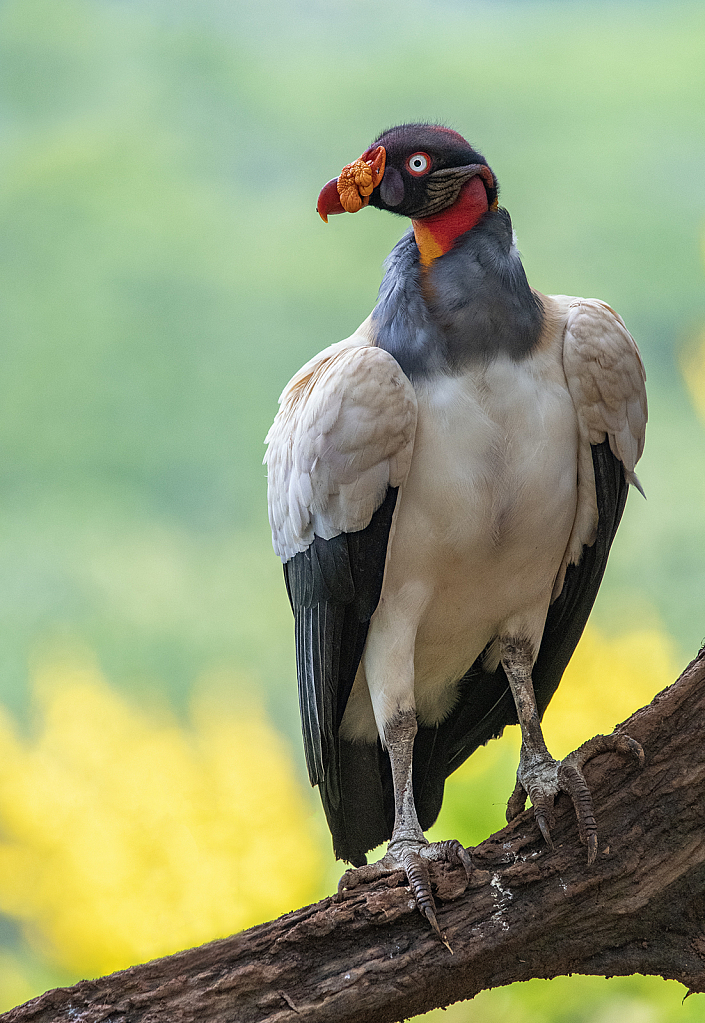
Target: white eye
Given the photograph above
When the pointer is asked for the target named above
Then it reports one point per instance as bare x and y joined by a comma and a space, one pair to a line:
418, 163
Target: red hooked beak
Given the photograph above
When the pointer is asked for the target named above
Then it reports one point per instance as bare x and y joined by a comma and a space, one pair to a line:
329, 201
351, 190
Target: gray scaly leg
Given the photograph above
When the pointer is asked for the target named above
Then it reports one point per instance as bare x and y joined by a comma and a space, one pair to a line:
409, 850
540, 776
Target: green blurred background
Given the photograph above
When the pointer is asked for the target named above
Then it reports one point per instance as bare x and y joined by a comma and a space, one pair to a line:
163, 274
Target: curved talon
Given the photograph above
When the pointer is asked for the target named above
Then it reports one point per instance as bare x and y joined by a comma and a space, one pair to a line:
343, 885
417, 873
569, 778
592, 848
411, 859
356, 876
420, 881
516, 802
542, 803
430, 914
466, 860
452, 852
544, 828
636, 749
572, 781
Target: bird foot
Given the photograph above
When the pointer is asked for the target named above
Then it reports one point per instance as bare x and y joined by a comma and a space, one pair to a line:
411, 857
542, 778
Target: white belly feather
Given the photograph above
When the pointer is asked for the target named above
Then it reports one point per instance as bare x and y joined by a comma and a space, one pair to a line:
482, 524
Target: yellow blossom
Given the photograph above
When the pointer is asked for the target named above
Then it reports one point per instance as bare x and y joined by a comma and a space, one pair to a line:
126, 836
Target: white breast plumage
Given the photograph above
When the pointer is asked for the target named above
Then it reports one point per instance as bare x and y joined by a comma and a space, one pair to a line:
482, 526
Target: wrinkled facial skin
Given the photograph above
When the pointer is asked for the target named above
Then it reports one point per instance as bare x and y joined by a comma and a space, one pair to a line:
418, 195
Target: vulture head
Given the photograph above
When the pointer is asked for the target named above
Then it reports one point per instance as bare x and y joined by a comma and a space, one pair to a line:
415, 170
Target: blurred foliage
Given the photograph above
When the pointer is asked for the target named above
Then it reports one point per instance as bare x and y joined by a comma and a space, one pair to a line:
693, 365
162, 274
126, 836
578, 1000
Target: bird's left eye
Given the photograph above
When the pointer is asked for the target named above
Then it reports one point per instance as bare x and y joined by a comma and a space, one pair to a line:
418, 164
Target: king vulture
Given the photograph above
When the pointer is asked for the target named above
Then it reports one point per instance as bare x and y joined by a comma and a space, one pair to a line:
444, 487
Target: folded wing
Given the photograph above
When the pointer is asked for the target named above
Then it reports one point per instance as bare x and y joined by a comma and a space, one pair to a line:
339, 449
606, 379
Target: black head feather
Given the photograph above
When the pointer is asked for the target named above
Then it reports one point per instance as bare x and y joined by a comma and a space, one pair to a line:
410, 195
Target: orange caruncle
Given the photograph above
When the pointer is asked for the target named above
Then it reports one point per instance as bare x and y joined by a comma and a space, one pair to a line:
355, 184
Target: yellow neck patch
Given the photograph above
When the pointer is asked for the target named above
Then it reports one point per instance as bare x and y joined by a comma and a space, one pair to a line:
429, 247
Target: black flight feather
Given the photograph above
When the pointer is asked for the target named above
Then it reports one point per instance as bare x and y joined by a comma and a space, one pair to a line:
334, 588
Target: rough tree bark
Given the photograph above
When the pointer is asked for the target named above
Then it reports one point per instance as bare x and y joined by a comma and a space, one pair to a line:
527, 912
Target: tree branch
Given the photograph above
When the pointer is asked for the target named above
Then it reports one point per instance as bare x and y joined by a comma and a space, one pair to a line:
527, 912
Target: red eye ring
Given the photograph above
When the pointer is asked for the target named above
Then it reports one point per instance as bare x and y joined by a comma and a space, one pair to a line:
418, 164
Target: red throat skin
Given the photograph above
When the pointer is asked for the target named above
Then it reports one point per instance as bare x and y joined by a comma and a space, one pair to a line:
436, 234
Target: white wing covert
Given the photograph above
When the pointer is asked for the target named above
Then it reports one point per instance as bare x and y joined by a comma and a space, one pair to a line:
606, 379
343, 435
